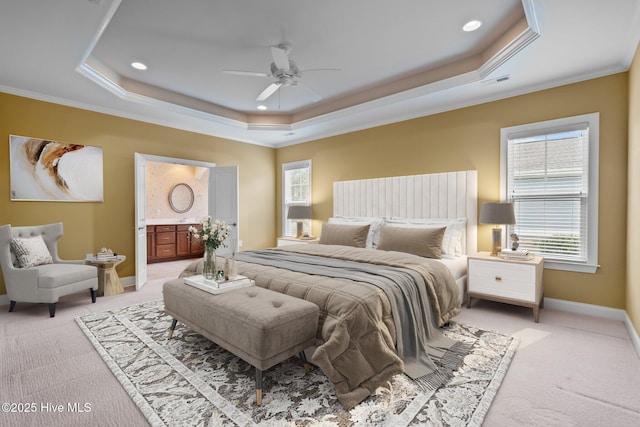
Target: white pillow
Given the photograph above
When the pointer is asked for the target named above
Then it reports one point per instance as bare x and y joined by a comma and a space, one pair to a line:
374, 227
452, 240
31, 251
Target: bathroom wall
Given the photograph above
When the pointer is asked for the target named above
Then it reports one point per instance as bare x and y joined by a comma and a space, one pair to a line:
161, 177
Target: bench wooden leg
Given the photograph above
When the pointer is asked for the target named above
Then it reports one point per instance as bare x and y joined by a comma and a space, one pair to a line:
174, 322
305, 362
258, 387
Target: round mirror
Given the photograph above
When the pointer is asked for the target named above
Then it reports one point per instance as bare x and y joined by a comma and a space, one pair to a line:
181, 198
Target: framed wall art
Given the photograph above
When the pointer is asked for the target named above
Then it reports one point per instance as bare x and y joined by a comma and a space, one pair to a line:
46, 170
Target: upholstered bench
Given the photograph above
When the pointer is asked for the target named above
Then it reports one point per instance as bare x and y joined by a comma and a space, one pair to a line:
260, 326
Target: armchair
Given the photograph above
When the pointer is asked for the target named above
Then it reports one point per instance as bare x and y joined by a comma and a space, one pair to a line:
47, 282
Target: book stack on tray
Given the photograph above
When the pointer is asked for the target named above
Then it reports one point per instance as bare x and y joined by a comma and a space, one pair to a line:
516, 255
106, 256
218, 287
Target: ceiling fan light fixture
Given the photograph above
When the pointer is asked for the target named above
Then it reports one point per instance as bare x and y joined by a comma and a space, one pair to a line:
284, 71
138, 65
472, 25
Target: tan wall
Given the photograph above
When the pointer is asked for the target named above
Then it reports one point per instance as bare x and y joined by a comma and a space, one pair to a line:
89, 226
469, 138
633, 225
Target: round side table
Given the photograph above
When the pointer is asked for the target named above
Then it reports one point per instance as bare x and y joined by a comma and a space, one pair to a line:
108, 280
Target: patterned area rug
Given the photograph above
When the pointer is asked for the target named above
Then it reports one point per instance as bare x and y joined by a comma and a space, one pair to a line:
188, 380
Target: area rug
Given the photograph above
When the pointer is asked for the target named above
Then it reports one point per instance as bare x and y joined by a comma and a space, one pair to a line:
189, 381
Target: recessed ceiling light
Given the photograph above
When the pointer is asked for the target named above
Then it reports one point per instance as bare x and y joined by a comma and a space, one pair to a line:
262, 107
139, 65
472, 25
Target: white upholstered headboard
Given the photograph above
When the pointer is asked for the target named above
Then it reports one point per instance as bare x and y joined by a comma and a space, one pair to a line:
437, 195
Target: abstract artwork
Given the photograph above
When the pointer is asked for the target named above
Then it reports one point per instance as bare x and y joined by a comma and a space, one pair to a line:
55, 171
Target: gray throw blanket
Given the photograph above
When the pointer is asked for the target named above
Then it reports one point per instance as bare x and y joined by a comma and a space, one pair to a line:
418, 338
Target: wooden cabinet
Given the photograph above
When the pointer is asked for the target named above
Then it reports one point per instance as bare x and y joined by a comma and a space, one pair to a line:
151, 242
171, 242
186, 246
196, 245
510, 281
183, 241
165, 242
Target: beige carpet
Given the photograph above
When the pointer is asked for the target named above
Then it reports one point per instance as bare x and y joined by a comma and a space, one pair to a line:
571, 370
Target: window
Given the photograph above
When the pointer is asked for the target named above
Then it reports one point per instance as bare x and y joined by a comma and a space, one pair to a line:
549, 170
296, 190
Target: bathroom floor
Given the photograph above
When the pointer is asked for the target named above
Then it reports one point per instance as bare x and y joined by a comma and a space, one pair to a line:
162, 270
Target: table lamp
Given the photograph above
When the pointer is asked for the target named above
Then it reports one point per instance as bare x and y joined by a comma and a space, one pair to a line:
299, 213
497, 213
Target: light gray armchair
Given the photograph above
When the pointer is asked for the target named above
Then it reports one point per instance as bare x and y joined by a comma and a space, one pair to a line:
43, 283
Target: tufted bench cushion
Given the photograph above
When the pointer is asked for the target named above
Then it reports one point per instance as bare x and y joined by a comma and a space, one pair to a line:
260, 326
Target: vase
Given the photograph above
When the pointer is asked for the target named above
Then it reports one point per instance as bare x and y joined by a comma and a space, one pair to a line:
209, 269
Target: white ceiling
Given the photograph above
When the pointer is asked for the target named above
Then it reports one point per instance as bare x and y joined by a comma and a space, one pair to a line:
395, 60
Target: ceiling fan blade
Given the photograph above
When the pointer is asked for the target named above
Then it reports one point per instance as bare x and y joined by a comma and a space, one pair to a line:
321, 69
268, 91
310, 93
280, 58
246, 73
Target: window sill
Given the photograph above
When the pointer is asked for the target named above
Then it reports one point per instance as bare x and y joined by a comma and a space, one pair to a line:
570, 266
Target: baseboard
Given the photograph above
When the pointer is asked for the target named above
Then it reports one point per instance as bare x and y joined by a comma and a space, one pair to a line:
597, 311
128, 281
635, 338
586, 309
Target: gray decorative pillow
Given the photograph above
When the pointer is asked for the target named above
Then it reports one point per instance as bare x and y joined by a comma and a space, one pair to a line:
30, 251
345, 235
424, 242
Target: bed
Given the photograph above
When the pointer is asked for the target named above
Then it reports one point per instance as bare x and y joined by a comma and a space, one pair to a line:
382, 296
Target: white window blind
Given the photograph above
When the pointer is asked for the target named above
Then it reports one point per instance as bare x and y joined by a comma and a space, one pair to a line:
549, 178
296, 190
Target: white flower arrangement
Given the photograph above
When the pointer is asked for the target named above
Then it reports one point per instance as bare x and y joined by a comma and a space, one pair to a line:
213, 234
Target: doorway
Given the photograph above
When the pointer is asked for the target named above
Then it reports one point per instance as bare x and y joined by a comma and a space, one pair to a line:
222, 202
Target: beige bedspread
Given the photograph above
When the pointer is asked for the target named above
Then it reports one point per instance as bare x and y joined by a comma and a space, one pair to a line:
356, 336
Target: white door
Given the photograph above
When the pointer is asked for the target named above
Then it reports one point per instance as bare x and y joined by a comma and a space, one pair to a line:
141, 220
223, 203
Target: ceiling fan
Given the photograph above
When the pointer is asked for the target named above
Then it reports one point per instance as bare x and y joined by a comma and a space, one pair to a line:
284, 70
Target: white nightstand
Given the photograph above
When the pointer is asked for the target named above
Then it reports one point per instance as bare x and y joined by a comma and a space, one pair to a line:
283, 241
510, 281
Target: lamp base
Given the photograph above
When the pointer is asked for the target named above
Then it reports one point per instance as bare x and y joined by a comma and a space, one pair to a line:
299, 227
496, 241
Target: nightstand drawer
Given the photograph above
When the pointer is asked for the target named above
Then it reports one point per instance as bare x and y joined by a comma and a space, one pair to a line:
508, 280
